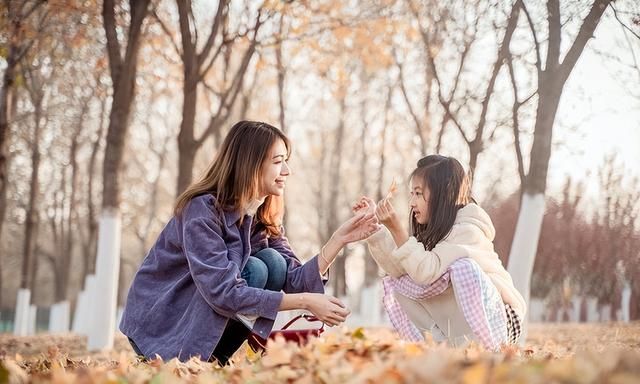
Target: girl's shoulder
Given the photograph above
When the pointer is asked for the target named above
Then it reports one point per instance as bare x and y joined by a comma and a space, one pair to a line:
473, 218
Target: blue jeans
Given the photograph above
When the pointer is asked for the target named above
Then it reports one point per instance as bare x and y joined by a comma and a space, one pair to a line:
267, 269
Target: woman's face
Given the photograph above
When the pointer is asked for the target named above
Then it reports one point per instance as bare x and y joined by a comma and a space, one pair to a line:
419, 201
275, 170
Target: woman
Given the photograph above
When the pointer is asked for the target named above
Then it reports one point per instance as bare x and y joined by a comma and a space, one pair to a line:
199, 292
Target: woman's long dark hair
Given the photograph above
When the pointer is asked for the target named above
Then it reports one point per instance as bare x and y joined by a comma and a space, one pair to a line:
234, 175
449, 190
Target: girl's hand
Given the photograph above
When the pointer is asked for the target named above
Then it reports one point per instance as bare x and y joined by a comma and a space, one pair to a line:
328, 309
364, 205
386, 214
357, 228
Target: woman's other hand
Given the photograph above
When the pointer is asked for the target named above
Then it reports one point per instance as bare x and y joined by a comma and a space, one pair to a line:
328, 309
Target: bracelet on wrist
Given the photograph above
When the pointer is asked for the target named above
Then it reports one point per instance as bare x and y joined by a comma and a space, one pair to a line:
323, 257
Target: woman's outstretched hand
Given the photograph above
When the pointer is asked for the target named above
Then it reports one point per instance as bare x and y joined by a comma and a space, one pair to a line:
364, 205
359, 227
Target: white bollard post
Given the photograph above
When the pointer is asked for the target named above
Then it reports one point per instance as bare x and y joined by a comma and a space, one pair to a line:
21, 322
626, 303
59, 317
32, 320
576, 303
592, 310
605, 313
53, 315
105, 297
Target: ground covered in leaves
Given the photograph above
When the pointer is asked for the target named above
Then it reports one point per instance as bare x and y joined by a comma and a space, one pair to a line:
560, 353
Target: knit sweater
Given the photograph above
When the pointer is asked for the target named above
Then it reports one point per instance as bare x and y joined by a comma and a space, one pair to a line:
471, 236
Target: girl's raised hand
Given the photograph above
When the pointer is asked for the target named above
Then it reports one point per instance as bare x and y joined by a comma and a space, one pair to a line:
386, 214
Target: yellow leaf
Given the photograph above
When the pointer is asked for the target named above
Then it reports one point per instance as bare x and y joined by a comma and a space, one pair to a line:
278, 353
477, 373
358, 334
412, 349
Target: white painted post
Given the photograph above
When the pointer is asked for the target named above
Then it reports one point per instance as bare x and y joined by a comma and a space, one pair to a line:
592, 310
626, 303
82, 318
605, 313
31, 326
53, 315
21, 322
524, 247
576, 304
77, 314
59, 317
103, 311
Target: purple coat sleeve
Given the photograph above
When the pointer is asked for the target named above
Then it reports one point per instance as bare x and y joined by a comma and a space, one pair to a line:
216, 277
300, 277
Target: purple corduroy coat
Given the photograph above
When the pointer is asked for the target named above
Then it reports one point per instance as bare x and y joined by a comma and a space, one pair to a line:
189, 284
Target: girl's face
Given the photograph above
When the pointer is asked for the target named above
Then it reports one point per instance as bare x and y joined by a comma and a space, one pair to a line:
275, 170
419, 201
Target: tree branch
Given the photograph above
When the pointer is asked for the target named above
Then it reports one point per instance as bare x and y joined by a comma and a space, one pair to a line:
113, 46
167, 32
584, 34
222, 4
535, 37
625, 26
516, 123
555, 35
503, 54
405, 95
233, 89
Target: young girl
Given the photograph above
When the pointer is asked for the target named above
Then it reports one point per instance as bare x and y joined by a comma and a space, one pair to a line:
446, 277
218, 267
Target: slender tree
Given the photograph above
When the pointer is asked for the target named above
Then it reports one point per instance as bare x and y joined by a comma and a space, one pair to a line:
123, 68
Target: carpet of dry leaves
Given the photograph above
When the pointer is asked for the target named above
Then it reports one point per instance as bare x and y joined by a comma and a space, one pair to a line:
555, 353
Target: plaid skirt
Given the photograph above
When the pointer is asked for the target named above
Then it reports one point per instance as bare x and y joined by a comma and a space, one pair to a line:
514, 326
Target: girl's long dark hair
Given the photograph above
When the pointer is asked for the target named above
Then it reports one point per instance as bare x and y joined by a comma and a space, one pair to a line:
449, 190
234, 175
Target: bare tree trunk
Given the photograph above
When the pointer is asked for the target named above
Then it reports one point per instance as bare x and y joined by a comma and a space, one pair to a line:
89, 245
333, 221
5, 107
143, 235
551, 81
370, 266
282, 71
67, 250
31, 221
123, 75
18, 46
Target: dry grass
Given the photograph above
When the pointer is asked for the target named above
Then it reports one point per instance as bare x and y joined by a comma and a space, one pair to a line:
562, 353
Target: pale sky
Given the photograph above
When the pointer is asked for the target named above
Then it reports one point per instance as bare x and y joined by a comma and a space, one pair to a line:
606, 117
